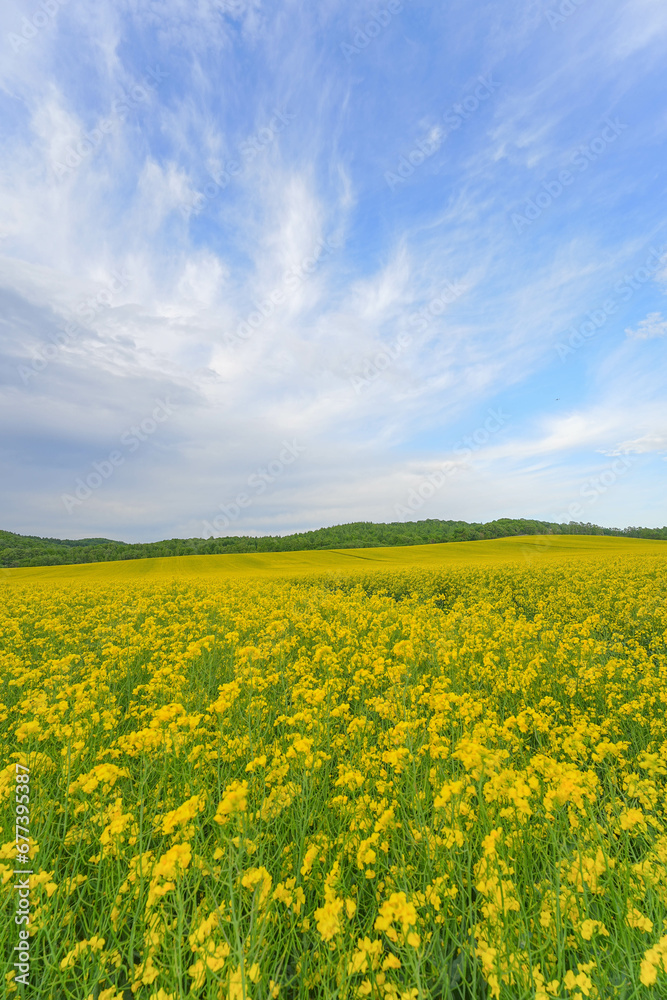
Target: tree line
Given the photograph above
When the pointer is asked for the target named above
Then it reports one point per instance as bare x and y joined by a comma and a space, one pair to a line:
30, 550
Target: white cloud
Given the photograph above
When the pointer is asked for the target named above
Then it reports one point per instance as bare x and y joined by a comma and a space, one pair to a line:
642, 445
192, 282
654, 325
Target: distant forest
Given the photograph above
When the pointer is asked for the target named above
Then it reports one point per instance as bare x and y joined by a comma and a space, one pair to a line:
29, 550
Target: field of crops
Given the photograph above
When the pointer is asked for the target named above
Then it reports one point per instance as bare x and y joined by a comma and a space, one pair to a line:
339, 776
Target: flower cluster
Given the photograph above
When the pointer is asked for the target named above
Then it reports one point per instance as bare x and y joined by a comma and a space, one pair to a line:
391, 786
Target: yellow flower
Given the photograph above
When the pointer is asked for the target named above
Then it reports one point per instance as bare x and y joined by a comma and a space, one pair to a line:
448, 791
258, 877
214, 956
489, 843
631, 818
648, 973
391, 962
653, 957
328, 917
254, 764
368, 953
581, 980
635, 919
590, 927
27, 729
93, 944
397, 909
146, 974
197, 971
236, 985
177, 857
308, 860
235, 801
183, 814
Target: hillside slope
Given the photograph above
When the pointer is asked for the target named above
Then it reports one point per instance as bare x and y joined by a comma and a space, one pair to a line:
30, 550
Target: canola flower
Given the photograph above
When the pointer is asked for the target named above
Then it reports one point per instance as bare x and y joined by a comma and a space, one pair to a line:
406, 785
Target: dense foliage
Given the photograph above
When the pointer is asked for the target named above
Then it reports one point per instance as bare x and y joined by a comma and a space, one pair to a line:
439, 785
28, 550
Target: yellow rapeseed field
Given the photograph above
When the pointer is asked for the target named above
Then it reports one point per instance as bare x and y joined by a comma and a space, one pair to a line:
434, 772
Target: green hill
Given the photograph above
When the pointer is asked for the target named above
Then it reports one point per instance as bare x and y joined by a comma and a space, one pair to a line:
30, 550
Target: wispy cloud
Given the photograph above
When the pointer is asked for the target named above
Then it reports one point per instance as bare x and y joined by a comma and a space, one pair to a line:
266, 262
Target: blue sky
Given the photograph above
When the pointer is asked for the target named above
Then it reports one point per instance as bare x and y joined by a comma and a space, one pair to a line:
268, 267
